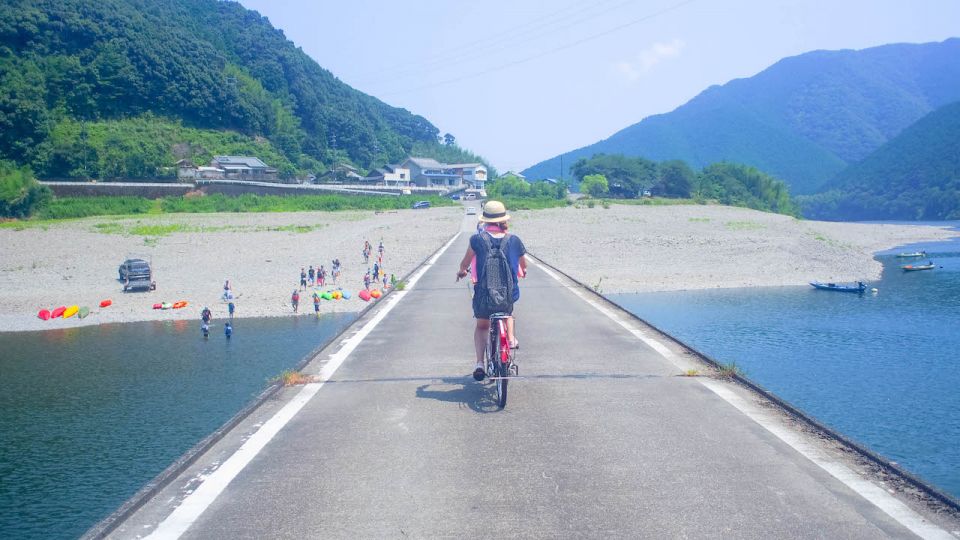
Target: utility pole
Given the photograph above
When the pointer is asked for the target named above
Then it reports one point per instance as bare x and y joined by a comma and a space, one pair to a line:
561, 167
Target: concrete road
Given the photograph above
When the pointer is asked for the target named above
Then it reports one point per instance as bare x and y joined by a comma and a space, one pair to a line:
601, 438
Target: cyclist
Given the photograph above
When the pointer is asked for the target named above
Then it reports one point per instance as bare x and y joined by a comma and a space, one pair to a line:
495, 223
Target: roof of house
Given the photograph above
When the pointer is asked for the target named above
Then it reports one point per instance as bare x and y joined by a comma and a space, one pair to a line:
246, 161
463, 165
514, 173
424, 163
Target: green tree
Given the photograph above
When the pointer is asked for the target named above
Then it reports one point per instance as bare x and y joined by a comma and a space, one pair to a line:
595, 185
20, 194
676, 179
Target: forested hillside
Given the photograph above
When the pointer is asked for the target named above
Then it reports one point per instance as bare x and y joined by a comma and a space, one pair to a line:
914, 176
803, 119
106, 88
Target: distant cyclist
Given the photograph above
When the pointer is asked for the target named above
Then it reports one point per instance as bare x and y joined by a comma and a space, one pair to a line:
486, 301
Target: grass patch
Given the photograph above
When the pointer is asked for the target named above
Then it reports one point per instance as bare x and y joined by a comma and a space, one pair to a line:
110, 227
292, 228
80, 207
161, 230
699, 220
532, 203
655, 201
743, 225
293, 378
728, 371
151, 241
400, 285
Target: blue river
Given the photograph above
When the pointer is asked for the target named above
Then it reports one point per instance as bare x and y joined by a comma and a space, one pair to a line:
89, 415
880, 368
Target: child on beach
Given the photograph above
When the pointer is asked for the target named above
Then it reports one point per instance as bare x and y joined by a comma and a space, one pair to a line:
227, 290
321, 275
316, 303
228, 330
295, 300
230, 309
310, 275
303, 279
384, 274
366, 280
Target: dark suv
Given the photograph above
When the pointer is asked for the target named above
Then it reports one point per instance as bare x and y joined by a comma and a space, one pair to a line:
421, 204
134, 269
136, 275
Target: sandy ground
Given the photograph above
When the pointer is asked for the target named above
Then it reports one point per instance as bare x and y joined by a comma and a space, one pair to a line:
75, 262
663, 248
623, 249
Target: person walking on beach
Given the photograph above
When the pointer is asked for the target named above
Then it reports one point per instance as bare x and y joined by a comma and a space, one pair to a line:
384, 279
311, 274
303, 279
366, 280
316, 303
295, 300
380, 250
376, 272
321, 276
231, 307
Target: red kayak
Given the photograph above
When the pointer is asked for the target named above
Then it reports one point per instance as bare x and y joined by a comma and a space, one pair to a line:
364, 295
105, 303
58, 312
157, 306
44, 314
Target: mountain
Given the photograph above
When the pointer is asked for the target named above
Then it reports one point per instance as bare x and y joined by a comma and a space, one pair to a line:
915, 175
803, 119
80, 79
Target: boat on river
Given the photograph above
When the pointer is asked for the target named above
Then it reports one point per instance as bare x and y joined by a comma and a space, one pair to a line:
858, 287
917, 267
914, 254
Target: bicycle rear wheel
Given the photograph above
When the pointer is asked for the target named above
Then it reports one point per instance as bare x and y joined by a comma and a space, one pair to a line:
501, 370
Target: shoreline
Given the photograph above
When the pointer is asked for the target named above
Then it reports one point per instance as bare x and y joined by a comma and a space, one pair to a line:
630, 249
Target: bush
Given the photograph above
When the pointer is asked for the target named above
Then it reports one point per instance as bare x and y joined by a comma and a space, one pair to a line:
20, 194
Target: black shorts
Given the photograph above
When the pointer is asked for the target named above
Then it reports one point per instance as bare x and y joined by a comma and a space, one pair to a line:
482, 313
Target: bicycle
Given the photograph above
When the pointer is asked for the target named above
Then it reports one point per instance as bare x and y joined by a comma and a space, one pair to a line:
500, 357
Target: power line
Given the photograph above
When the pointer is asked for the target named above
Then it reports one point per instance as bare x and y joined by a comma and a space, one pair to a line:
492, 42
541, 55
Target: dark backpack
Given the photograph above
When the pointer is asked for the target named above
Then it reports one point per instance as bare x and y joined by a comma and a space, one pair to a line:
494, 290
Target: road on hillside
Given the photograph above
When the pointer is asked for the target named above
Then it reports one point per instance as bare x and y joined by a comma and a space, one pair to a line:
601, 438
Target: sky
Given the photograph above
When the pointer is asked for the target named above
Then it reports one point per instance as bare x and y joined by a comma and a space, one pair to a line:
520, 81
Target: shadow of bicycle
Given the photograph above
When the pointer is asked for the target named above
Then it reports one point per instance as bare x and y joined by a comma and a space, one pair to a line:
478, 396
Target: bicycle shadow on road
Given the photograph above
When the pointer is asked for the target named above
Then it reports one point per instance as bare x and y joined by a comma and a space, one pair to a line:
478, 396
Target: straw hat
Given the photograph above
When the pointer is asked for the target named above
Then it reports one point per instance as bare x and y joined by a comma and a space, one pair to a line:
494, 212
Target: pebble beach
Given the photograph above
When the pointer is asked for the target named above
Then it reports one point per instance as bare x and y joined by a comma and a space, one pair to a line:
623, 248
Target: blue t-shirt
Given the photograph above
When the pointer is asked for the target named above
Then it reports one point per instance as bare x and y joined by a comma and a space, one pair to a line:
515, 250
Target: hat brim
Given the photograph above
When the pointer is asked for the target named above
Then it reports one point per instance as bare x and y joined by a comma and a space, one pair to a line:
500, 219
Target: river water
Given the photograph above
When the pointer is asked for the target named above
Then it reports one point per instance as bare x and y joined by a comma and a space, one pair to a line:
881, 368
89, 415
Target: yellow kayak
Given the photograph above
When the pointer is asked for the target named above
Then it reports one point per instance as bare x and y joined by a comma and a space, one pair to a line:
70, 311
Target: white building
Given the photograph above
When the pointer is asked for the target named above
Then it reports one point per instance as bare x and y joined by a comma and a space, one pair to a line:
428, 172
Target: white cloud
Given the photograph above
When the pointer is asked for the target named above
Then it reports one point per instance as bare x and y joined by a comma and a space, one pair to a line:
648, 58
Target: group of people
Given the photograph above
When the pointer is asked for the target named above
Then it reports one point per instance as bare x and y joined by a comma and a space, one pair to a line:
206, 316
316, 276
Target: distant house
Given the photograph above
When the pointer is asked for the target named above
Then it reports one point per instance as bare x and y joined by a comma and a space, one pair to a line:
514, 174
244, 168
186, 170
389, 175
341, 173
428, 172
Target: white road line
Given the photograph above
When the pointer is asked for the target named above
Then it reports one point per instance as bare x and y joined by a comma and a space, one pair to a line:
866, 489
197, 502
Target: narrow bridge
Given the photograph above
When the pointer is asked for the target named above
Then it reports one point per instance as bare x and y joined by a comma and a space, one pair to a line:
602, 437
